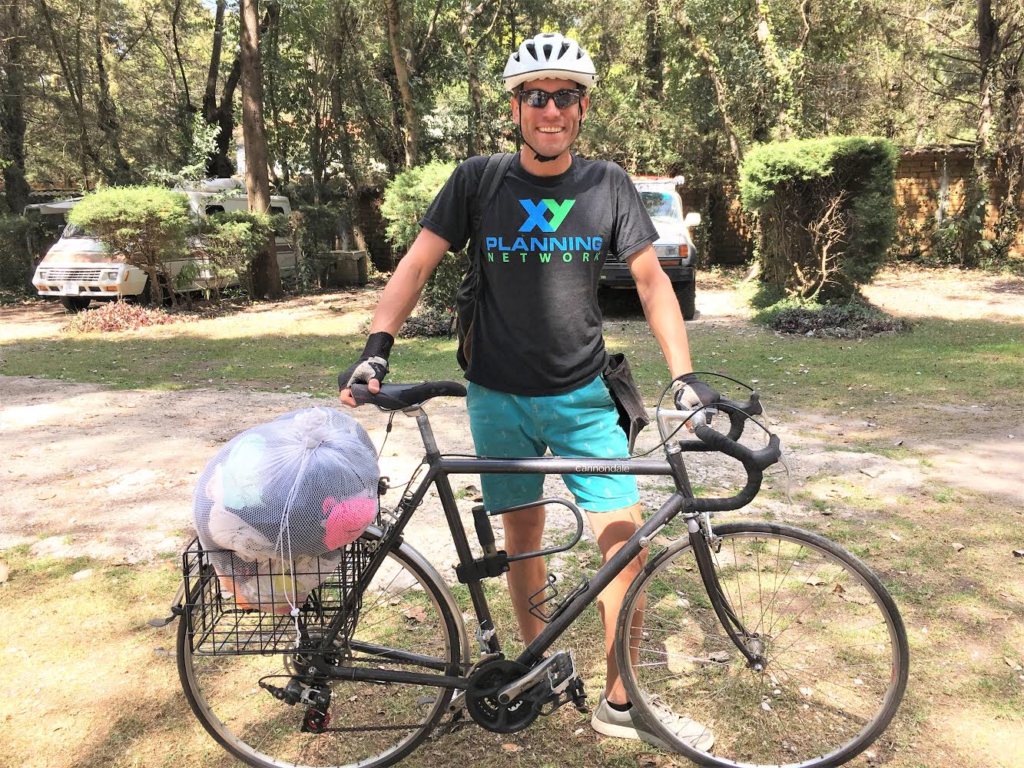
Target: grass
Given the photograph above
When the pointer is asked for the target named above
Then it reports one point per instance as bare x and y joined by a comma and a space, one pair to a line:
962, 363
95, 686
107, 692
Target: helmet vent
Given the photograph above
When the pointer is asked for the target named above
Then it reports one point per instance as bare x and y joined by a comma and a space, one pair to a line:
547, 50
533, 51
565, 47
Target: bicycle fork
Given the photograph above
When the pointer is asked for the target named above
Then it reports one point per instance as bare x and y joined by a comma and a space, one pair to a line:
748, 643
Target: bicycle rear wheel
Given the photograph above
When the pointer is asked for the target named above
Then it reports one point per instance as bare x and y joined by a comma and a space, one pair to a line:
405, 609
834, 646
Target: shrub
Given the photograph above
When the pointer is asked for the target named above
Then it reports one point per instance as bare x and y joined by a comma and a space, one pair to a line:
232, 240
148, 225
17, 261
825, 210
406, 199
116, 316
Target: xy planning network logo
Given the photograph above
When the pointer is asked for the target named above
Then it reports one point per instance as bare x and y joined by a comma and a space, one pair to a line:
536, 218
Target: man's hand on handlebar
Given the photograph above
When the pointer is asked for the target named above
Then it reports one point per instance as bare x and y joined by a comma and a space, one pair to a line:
370, 369
690, 393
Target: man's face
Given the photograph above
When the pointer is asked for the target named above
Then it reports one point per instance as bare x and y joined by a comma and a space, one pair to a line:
548, 129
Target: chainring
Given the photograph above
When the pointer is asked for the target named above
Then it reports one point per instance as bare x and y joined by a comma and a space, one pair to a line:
482, 697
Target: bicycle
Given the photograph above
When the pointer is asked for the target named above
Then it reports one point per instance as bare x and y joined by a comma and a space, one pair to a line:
783, 643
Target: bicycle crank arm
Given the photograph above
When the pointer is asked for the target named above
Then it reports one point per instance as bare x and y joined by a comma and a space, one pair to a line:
558, 670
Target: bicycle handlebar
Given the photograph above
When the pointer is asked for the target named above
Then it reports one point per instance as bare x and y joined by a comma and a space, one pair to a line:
754, 462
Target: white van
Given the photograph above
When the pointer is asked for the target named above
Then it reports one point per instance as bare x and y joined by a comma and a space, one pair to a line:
79, 269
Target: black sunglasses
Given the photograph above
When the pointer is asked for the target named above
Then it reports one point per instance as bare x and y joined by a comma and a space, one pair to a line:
535, 97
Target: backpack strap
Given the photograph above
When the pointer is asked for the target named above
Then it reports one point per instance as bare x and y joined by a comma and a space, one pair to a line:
494, 172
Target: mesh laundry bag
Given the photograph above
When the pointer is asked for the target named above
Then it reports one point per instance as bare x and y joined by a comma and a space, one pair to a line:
284, 498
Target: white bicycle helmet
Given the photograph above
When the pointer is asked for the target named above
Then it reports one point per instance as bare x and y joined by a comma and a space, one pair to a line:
549, 56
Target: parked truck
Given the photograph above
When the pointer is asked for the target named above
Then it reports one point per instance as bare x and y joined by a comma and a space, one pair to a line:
674, 247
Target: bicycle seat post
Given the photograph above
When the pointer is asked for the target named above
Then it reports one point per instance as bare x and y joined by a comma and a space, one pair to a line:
429, 444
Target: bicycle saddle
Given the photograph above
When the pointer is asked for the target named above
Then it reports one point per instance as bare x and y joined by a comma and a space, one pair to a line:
395, 397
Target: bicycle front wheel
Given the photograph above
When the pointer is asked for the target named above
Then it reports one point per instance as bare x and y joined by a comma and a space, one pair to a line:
833, 646
405, 623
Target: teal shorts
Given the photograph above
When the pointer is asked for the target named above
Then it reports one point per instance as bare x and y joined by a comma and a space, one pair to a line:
582, 423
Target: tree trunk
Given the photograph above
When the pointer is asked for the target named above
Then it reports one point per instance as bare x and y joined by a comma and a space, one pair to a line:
12, 108
403, 74
73, 83
221, 164
653, 54
474, 133
266, 278
106, 109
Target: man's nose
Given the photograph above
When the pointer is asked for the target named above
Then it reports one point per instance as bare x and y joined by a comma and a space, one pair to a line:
551, 109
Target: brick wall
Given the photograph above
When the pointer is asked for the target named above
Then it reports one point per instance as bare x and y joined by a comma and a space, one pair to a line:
930, 187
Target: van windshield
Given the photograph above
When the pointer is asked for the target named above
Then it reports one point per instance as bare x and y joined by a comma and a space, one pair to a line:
662, 205
73, 230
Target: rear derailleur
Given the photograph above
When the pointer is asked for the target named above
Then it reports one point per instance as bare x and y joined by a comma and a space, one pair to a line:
316, 699
505, 696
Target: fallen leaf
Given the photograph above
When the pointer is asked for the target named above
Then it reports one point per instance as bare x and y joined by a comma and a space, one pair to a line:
417, 614
815, 581
894, 537
958, 546
510, 747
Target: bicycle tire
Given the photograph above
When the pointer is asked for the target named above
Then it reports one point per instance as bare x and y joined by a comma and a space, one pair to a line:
805, 597
225, 688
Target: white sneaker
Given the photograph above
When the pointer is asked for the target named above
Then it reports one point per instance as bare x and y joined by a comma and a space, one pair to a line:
629, 725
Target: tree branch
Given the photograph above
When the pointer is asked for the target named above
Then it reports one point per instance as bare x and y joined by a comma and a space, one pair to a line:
428, 37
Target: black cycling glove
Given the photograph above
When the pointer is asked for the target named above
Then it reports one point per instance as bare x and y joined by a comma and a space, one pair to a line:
691, 393
373, 363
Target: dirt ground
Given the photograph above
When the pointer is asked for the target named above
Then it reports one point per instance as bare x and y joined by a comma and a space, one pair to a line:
87, 470
109, 473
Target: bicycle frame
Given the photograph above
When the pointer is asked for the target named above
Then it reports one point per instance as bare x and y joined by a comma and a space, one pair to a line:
440, 468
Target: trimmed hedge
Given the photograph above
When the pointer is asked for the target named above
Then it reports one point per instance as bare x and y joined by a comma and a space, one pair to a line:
826, 212
406, 199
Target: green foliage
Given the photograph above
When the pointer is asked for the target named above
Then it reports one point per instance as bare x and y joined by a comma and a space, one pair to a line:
232, 240
407, 198
147, 225
314, 229
405, 201
16, 257
202, 142
826, 212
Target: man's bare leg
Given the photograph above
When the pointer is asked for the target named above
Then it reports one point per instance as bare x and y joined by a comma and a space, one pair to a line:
613, 530
524, 531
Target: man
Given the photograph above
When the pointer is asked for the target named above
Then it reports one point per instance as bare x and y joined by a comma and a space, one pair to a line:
537, 346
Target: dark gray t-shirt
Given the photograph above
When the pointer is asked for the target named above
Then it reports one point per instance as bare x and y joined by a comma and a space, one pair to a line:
538, 325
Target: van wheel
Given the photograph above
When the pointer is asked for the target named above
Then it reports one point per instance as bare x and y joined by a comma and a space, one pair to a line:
74, 304
686, 293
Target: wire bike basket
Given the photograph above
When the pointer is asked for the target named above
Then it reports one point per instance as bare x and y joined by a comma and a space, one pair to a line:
219, 624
